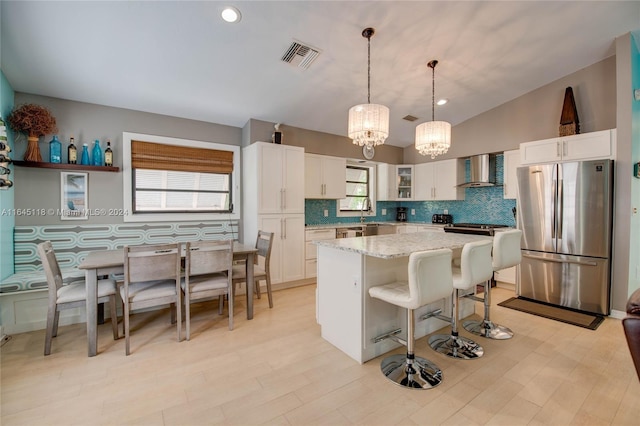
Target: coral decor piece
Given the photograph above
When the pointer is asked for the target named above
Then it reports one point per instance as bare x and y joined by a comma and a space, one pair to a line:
34, 121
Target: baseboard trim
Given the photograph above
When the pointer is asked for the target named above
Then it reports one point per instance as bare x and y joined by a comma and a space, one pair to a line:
617, 314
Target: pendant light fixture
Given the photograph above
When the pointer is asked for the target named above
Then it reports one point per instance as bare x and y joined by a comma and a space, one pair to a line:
433, 137
368, 123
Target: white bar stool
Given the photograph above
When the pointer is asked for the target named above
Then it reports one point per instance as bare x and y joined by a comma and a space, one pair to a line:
429, 281
475, 268
506, 253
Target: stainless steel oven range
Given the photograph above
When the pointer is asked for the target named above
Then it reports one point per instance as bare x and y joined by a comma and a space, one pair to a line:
473, 228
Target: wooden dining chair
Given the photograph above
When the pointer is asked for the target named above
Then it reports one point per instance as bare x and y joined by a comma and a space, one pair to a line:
261, 271
73, 295
151, 278
208, 269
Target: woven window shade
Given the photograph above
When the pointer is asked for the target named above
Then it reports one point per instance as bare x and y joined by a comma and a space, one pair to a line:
155, 156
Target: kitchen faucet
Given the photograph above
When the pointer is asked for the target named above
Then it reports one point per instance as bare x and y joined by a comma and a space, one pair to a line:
366, 205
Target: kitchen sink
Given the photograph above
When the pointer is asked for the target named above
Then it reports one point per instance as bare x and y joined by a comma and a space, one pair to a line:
378, 229
366, 230
370, 229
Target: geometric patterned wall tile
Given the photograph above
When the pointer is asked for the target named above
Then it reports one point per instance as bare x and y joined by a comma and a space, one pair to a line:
72, 242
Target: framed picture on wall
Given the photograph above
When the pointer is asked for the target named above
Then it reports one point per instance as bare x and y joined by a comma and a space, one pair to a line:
73, 196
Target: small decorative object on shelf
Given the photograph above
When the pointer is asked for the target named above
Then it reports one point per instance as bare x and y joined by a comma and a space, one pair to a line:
72, 152
4, 145
97, 154
108, 155
33, 121
5, 160
569, 123
55, 150
84, 159
277, 135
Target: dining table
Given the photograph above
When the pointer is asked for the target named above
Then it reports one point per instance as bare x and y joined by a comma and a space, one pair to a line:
108, 262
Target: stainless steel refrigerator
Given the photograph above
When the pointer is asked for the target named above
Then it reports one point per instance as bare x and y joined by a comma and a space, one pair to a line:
565, 214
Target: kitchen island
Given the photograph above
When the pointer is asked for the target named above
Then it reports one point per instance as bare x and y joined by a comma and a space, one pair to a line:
349, 318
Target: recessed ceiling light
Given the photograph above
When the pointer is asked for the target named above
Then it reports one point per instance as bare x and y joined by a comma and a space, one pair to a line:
442, 101
231, 14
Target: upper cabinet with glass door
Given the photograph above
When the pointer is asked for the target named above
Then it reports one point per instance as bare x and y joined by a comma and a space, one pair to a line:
404, 187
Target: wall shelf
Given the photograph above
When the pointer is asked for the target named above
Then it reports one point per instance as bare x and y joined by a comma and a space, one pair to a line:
43, 165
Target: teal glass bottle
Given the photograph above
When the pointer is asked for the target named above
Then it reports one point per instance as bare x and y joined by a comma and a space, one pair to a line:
55, 150
97, 154
84, 159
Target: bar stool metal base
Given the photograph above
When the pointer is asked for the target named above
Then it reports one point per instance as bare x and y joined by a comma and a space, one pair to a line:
420, 374
455, 346
488, 329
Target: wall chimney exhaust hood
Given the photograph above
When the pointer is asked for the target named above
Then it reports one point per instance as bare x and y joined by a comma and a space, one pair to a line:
482, 171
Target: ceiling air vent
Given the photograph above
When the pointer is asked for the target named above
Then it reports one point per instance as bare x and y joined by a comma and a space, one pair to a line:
409, 118
300, 55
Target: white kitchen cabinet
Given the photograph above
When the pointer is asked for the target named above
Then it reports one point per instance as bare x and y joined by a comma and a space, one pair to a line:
325, 177
273, 201
586, 146
410, 228
386, 182
406, 229
395, 182
287, 253
311, 250
439, 228
438, 180
511, 162
273, 174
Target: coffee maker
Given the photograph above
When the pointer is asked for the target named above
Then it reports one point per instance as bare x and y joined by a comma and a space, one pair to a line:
401, 214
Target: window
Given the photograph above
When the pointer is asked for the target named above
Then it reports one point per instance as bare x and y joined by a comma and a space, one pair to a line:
170, 191
169, 179
358, 188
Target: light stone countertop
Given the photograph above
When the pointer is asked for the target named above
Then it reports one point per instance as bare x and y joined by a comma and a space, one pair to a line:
400, 245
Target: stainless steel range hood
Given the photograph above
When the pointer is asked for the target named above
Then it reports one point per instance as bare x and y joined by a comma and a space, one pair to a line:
482, 171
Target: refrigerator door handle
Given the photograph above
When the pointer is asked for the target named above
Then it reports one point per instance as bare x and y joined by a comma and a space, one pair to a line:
554, 219
577, 262
560, 209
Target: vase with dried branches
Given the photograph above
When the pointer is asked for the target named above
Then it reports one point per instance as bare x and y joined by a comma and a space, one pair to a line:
33, 121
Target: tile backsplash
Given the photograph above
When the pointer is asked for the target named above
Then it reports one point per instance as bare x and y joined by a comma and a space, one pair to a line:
481, 205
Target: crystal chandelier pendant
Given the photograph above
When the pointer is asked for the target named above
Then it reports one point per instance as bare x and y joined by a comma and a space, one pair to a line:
433, 137
368, 123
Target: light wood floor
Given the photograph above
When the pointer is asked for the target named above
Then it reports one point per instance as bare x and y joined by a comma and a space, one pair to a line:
276, 369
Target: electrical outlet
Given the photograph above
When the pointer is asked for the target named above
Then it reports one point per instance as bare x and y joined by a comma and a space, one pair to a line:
446, 211
384, 211
413, 212
326, 213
